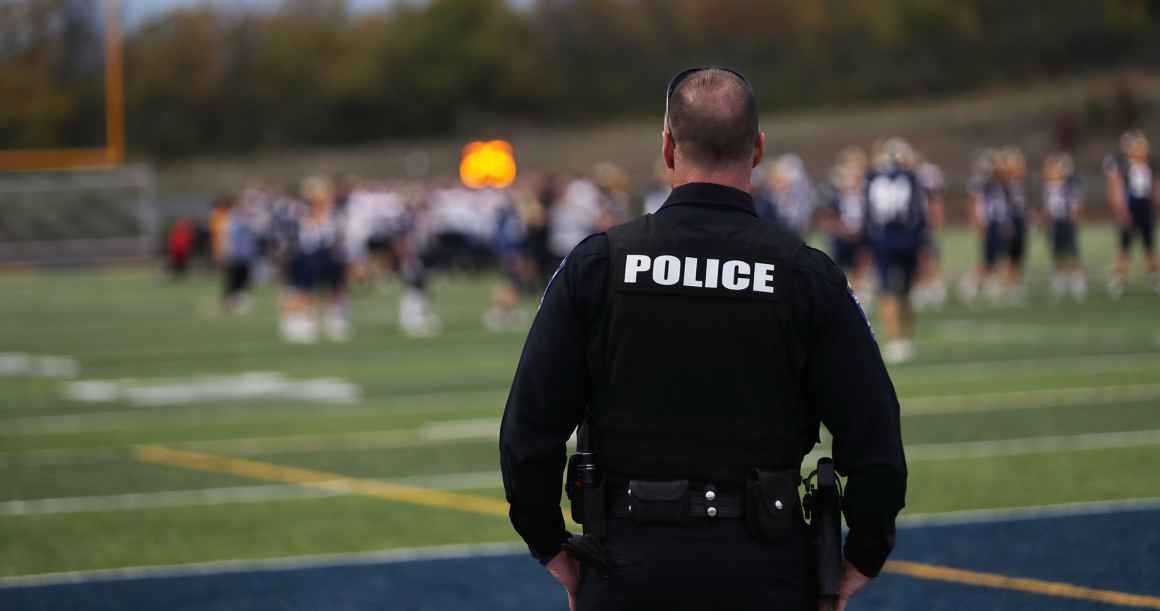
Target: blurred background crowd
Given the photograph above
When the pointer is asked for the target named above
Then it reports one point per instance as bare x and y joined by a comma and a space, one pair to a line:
325, 234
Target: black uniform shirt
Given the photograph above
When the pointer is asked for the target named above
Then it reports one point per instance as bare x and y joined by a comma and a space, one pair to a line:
847, 385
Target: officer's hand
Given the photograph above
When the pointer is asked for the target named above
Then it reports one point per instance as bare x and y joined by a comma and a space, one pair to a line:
566, 570
852, 581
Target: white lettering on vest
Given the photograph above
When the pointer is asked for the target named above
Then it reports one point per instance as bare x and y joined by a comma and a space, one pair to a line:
667, 270
735, 275
633, 265
763, 277
691, 273
712, 266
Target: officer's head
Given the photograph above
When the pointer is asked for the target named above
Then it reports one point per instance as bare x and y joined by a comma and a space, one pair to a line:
711, 123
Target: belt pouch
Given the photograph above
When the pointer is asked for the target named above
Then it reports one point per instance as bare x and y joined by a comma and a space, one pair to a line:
658, 502
771, 503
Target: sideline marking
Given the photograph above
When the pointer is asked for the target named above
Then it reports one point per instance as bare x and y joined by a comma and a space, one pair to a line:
469, 431
206, 497
1027, 512
983, 369
1032, 445
164, 498
135, 418
250, 385
1057, 589
285, 563
320, 479
1014, 400
900, 567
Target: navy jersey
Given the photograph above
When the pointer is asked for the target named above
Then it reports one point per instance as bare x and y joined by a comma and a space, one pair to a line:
895, 204
993, 199
1017, 198
1137, 178
1061, 198
848, 205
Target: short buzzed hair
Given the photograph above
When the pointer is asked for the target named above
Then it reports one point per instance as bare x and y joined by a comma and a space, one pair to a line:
712, 118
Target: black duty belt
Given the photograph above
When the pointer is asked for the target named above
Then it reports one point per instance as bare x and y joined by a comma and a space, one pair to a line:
673, 501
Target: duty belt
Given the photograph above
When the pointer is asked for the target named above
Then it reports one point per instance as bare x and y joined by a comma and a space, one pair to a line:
671, 501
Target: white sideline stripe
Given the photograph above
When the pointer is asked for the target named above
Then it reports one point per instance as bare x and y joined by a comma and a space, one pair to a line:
984, 369
230, 495
451, 431
1031, 445
440, 552
485, 550
1022, 514
473, 429
167, 498
432, 433
1012, 400
134, 418
485, 479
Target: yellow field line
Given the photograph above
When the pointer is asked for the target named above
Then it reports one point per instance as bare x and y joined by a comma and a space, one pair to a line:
320, 479
253, 469
1020, 584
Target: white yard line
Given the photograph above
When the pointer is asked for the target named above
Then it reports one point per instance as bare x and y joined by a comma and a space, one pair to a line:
476, 429
486, 550
488, 479
993, 448
229, 495
1012, 400
432, 433
1031, 445
167, 498
1020, 514
985, 369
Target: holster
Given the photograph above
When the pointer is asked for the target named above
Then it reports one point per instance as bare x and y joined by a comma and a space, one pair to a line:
772, 509
826, 526
659, 502
584, 487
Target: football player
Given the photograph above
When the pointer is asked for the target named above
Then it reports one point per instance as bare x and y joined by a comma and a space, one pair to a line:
930, 289
1133, 193
990, 216
1062, 202
895, 224
1013, 176
845, 214
792, 194
317, 265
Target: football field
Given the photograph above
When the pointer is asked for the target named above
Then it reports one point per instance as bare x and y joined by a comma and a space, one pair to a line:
141, 428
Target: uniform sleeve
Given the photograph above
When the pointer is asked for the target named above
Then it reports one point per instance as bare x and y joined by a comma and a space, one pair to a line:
848, 386
548, 397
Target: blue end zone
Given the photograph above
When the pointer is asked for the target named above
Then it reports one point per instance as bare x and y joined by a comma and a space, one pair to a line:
1113, 551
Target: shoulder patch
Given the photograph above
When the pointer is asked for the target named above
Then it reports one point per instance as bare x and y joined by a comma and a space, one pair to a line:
861, 310
551, 280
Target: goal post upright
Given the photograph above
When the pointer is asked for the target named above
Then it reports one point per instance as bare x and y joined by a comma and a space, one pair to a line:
112, 154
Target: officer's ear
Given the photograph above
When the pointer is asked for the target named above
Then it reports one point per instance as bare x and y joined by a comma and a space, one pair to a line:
668, 149
758, 149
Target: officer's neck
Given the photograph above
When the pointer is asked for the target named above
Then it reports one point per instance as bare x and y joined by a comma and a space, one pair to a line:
732, 176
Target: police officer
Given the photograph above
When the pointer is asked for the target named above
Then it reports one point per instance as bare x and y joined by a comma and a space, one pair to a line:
702, 348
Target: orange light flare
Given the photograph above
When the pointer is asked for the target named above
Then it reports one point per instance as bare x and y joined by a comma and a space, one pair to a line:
487, 164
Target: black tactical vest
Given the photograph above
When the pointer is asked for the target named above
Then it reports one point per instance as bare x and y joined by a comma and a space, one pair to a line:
698, 373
